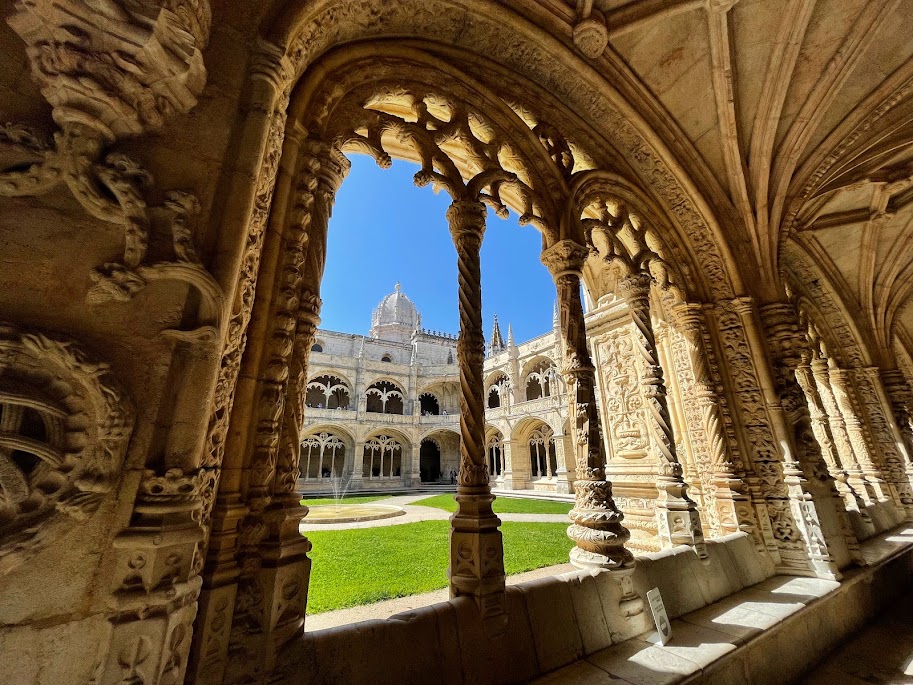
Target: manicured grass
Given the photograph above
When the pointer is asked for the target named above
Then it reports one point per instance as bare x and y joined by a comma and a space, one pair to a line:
361, 566
357, 499
503, 505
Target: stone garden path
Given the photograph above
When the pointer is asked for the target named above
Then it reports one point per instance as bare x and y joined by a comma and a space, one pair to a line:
418, 513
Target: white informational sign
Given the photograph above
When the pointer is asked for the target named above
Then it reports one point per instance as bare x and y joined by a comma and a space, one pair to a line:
663, 624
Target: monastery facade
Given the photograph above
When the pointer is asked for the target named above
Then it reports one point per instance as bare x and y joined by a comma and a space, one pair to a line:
383, 411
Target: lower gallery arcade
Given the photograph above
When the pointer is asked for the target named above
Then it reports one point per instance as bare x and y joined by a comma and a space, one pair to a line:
734, 406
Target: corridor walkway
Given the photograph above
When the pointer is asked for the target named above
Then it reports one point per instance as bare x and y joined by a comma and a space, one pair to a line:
882, 654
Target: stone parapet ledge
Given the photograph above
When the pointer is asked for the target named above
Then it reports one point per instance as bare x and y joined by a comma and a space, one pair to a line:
727, 621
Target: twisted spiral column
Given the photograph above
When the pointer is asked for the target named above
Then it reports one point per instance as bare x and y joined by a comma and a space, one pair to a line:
677, 517
476, 548
597, 529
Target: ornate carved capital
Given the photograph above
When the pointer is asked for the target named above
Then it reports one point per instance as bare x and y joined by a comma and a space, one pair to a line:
564, 257
466, 219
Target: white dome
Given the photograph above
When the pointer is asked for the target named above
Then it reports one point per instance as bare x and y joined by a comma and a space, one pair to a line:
395, 318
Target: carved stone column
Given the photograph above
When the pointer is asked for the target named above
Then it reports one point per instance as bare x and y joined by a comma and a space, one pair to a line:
811, 490
849, 464
154, 604
821, 428
677, 516
358, 464
511, 478
828, 451
900, 396
476, 550
272, 582
597, 529
735, 509
886, 436
263, 134
845, 396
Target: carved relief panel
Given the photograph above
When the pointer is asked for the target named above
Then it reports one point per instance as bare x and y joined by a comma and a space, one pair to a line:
623, 407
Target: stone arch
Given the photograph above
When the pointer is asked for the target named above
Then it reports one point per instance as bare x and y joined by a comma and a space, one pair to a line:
539, 378
429, 404
385, 396
448, 443
324, 455
497, 390
385, 455
328, 390
532, 64
494, 448
429, 460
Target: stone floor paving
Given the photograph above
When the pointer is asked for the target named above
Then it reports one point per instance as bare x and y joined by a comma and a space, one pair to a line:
882, 654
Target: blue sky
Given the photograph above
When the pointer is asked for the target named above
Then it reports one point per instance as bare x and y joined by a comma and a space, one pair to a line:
385, 230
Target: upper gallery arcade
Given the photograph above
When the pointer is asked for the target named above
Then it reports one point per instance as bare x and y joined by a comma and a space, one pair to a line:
728, 183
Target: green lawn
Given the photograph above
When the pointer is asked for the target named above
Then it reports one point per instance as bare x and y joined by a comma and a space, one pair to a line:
357, 499
360, 566
503, 505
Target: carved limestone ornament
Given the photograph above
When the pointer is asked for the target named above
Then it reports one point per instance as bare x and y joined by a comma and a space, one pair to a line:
105, 84
64, 428
467, 140
590, 35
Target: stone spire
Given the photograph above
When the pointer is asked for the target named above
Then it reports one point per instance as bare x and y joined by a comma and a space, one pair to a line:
497, 342
556, 319
510, 336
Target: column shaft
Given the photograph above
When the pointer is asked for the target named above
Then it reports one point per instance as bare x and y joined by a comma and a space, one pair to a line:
677, 516
476, 549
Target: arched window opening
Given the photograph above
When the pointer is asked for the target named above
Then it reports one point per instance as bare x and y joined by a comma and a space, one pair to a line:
541, 381
495, 456
327, 392
498, 392
384, 397
430, 461
542, 457
383, 458
386, 358
429, 404
316, 347
322, 456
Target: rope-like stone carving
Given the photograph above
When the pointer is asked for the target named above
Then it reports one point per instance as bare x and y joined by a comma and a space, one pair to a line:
597, 529
467, 226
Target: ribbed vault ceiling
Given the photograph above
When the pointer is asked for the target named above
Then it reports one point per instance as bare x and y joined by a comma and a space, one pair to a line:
796, 118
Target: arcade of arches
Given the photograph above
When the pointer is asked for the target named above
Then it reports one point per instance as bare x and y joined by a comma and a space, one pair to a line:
729, 184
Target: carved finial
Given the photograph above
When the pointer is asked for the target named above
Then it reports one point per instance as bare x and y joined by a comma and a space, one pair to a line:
398, 287
510, 336
556, 315
497, 342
